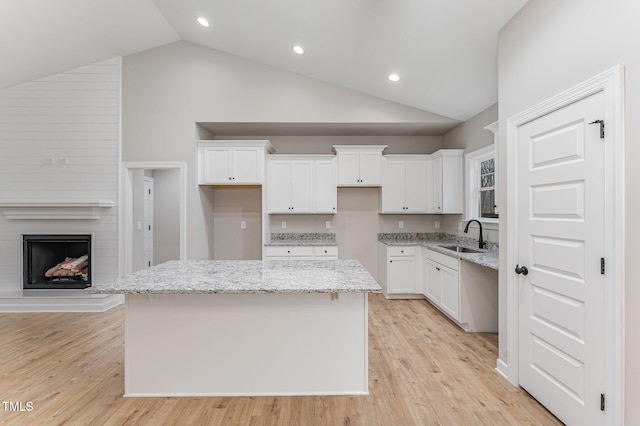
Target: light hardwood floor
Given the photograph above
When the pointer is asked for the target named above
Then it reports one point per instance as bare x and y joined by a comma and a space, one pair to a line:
423, 371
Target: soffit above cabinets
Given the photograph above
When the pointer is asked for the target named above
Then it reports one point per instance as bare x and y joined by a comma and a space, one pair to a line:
327, 129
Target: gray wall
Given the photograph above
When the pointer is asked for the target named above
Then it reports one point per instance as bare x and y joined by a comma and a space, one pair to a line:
470, 136
551, 46
168, 89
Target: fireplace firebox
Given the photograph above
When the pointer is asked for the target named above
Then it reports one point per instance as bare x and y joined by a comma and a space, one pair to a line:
56, 261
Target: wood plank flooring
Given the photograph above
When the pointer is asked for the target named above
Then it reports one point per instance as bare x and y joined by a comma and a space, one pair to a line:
423, 371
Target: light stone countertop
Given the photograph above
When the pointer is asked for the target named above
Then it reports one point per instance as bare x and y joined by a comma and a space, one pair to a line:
245, 276
302, 239
434, 241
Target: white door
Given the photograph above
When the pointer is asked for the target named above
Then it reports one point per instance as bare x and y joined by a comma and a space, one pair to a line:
280, 186
246, 165
217, 163
302, 186
325, 187
433, 279
393, 200
348, 168
416, 186
561, 243
402, 275
450, 292
148, 222
370, 168
436, 185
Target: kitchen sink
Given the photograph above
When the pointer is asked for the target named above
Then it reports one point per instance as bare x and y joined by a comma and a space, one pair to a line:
461, 249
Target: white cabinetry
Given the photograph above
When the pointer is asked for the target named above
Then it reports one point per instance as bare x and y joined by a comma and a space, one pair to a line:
302, 184
301, 253
325, 189
445, 181
398, 268
237, 162
442, 282
404, 184
359, 165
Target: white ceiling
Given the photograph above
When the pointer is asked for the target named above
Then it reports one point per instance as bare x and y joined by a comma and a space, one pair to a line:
444, 50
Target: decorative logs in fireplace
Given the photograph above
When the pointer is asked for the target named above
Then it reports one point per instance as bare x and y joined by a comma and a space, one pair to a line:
56, 261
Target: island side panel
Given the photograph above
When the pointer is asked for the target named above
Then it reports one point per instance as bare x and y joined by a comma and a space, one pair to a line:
246, 344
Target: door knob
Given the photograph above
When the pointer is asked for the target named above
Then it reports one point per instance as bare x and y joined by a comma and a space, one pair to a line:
522, 270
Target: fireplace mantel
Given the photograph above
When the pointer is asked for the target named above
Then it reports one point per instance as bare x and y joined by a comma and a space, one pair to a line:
54, 209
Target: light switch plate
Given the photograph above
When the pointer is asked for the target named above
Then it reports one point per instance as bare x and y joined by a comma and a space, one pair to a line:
401, 224
436, 224
243, 224
327, 224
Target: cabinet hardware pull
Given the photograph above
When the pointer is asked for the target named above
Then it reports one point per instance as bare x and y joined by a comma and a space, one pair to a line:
437, 269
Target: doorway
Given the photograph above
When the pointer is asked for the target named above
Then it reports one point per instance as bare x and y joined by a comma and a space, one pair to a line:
153, 224
565, 245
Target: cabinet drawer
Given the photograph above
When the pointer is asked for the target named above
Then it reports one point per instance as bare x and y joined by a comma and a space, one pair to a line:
443, 259
326, 251
401, 251
292, 251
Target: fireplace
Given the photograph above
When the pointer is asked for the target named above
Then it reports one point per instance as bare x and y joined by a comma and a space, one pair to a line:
56, 261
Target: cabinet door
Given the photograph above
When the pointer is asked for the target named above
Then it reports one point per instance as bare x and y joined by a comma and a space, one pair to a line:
437, 185
279, 186
217, 165
247, 165
450, 301
393, 189
326, 187
301, 186
416, 186
402, 275
371, 168
433, 280
348, 168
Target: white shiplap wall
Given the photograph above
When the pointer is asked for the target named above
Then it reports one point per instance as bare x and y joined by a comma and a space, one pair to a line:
73, 117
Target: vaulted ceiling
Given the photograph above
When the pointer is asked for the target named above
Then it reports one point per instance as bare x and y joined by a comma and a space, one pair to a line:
444, 51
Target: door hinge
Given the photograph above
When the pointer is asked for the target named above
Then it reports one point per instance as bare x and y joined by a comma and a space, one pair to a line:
601, 123
601, 402
602, 265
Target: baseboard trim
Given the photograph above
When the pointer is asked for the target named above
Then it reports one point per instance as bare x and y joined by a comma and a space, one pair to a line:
59, 304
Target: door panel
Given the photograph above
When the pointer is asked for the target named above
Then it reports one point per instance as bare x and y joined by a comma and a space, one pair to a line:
393, 190
416, 186
561, 240
302, 186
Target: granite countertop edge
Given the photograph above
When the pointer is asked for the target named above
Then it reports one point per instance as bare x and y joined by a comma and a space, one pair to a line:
488, 257
244, 277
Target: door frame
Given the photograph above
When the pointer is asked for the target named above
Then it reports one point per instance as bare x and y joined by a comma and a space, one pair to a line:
611, 83
126, 208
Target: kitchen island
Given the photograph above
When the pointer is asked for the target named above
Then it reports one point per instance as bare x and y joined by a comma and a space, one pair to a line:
231, 328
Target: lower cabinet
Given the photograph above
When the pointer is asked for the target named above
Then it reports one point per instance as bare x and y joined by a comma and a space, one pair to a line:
442, 286
398, 271
301, 253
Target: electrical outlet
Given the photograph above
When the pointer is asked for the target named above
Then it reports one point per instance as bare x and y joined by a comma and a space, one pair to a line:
139, 226
284, 225
459, 226
243, 224
436, 224
327, 225
401, 224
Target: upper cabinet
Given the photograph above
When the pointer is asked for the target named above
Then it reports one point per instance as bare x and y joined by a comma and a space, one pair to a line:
234, 162
445, 181
404, 184
302, 184
359, 165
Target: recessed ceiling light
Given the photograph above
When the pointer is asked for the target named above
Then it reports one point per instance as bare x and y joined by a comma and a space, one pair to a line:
202, 21
394, 77
298, 49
